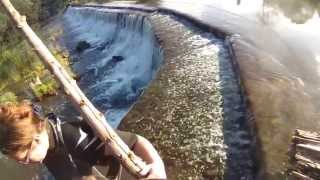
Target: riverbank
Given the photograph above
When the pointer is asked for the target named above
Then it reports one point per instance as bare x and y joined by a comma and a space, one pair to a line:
22, 75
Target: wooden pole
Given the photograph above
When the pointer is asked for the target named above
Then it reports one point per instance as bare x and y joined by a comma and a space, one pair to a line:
93, 117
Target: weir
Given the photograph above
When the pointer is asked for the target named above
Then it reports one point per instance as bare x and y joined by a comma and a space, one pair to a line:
194, 111
191, 104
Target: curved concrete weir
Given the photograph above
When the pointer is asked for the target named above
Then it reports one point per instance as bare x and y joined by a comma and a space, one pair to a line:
194, 111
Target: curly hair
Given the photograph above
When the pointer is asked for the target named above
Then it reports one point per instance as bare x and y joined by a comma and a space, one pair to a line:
18, 127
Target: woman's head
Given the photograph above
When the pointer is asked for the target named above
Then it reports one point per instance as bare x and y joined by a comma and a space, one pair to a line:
24, 136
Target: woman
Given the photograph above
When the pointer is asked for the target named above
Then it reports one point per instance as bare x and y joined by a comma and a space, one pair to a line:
68, 149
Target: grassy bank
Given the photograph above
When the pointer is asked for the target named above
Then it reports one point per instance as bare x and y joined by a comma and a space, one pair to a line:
22, 75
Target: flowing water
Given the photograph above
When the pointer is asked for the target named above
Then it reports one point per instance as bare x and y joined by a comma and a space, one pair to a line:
194, 111
122, 59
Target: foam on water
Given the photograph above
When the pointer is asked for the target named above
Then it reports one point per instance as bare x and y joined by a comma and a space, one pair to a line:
122, 59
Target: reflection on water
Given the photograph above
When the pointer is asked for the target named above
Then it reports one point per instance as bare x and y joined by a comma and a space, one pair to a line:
296, 10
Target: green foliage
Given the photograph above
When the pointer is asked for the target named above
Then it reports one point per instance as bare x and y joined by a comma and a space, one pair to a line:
19, 65
8, 97
49, 7
3, 21
29, 8
47, 88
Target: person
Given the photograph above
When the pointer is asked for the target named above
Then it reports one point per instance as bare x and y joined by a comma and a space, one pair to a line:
69, 149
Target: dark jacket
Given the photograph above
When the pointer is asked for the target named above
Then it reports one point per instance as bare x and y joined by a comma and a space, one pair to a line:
74, 150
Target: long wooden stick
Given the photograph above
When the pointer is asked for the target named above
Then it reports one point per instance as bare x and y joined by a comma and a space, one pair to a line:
92, 116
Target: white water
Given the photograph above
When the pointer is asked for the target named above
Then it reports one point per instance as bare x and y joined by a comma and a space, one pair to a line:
112, 85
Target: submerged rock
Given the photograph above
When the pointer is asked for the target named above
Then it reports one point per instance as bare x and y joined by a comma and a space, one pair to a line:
117, 58
82, 45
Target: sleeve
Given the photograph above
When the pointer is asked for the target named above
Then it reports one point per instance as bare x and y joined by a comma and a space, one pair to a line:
88, 147
98, 156
129, 138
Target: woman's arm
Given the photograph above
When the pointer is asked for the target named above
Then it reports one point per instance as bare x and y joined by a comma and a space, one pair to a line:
144, 149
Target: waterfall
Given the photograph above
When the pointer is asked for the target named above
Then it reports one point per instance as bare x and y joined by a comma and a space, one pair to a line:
121, 56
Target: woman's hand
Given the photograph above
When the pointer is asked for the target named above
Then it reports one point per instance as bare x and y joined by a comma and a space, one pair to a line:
144, 149
157, 171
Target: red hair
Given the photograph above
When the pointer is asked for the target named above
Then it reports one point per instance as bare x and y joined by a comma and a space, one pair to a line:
19, 125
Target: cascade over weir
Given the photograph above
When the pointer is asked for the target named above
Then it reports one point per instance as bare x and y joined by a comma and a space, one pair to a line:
194, 110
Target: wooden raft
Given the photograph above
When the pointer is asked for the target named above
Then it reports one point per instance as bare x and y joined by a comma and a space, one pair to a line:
305, 155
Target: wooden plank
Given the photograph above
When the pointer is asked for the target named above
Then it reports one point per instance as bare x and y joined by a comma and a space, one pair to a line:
305, 155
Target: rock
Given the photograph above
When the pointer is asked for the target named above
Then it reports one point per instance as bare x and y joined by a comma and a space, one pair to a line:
82, 45
117, 58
